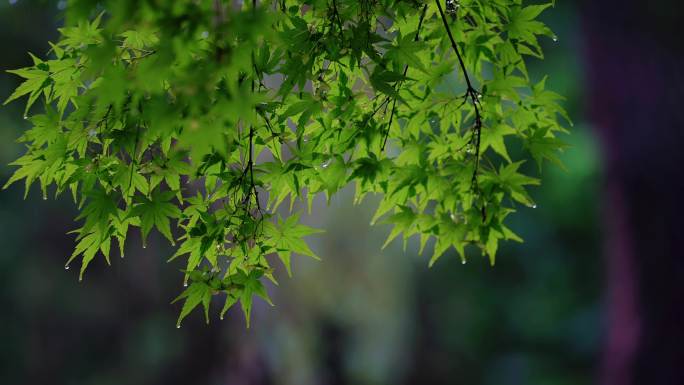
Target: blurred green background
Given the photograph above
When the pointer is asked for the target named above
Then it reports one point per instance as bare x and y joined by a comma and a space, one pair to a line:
360, 316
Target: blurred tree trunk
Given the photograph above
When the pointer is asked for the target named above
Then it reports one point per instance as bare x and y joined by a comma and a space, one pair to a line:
636, 86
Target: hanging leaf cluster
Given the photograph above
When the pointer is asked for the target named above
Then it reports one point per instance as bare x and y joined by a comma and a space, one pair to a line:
200, 118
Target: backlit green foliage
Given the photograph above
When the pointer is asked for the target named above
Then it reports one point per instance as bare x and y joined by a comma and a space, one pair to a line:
200, 118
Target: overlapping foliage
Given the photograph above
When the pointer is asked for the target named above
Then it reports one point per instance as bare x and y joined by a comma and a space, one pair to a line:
200, 118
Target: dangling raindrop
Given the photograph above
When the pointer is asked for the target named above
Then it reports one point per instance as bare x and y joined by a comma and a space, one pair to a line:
177, 326
66, 267
463, 262
555, 38
221, 317
451, 6
25, 117
434, 123
185, 284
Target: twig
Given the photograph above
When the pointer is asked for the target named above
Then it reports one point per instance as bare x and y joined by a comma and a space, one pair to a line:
337, 15
471, 93
394, 101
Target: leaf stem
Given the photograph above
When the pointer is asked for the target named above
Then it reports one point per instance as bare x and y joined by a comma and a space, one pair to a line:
394, 101
471, 93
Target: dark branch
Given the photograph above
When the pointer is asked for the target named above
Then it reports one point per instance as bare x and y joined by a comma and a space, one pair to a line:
394, 101
471, 93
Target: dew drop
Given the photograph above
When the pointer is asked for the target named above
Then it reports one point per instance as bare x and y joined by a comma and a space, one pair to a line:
221, 318
326, 163
66, 267
463, 262
177, 326
185, 284
532, 206
25, 117
434, 123
144, 246
451, 6
44, 198
555, 38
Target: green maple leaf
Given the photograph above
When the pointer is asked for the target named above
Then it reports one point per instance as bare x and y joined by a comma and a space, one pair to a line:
155, 212
286, 238
196, 293
252, 286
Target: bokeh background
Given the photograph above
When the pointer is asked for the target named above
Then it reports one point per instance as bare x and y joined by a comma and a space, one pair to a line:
590, 297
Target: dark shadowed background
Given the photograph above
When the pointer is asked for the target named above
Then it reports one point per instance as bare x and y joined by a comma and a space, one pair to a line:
593, 295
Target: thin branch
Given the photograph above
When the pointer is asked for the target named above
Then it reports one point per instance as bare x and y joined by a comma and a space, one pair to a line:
337, 15
394, 101
471, 93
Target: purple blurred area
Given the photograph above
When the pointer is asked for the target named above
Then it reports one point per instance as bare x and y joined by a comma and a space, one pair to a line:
592, 296
635, 81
